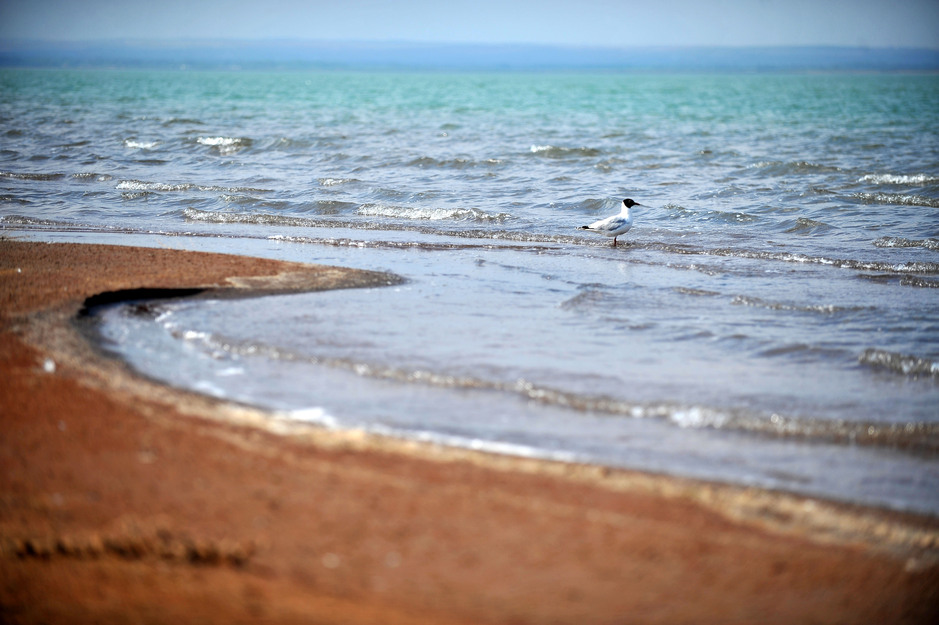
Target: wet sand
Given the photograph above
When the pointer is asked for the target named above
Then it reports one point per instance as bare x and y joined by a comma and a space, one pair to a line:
122, 500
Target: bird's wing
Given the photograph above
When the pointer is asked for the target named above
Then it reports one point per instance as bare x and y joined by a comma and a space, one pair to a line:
610, 223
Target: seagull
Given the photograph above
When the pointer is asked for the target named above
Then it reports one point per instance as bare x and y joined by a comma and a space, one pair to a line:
615, 225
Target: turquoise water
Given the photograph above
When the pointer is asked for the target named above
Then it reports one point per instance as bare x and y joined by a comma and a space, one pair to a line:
771, 318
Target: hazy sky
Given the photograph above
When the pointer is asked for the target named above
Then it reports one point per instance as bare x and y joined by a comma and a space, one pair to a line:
615, 23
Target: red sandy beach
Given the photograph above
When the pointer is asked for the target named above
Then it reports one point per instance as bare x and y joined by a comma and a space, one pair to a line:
125, 501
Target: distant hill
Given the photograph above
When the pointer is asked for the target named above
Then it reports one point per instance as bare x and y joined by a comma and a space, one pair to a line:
430, 56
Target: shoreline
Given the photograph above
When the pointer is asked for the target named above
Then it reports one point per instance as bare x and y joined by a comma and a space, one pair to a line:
123, 497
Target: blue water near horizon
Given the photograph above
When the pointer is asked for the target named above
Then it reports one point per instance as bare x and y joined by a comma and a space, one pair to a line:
770, 320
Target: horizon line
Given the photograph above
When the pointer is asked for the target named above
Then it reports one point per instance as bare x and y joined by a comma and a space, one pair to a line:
413, 42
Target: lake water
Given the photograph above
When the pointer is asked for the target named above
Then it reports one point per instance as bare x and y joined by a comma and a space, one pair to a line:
771, 319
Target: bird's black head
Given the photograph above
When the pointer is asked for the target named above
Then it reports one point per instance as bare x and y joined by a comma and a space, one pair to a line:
629, 203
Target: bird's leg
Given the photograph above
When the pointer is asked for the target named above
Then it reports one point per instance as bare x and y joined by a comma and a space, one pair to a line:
614, 241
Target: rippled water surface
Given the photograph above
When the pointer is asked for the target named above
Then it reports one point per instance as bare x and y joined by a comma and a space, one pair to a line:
772, 318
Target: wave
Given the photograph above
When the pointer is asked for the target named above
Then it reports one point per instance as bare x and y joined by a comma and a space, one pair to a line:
586, 299
173, 121
432, 214
804, 225
591, 298
140, 145
782, 168
929, 244
910, 435
453, 163
40, 177
902, 280
213, 141
263, 219
477, 444
22, 220
225, 145
920, 282
372, 244
696, 292
89, 175
789, 257
136, 195
242, 199
906, 269
728, 217
332, 207
898, 199
903, 364
554, 151
900, 179
334, 182
139, 185
825, 309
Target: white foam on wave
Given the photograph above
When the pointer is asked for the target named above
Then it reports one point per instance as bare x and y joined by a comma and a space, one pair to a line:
335, 182
140, 145
314, 415
141, 185
430, 214
259, 219
502, 448
560, 151
214, 141
206, 387
224, 145
138, 185
899, 179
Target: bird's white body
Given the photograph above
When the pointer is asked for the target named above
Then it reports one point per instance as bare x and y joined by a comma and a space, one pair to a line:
615, 225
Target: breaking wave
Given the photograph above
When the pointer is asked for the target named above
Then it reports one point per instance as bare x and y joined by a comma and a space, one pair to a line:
432, 214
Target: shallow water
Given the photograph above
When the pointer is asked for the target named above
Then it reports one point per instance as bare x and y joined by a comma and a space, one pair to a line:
771, 319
